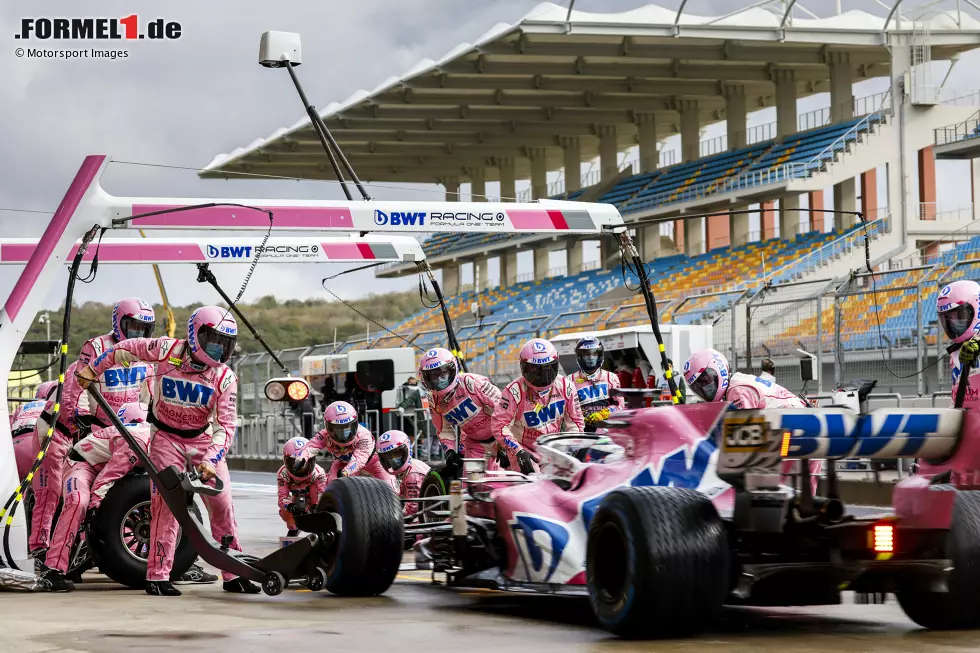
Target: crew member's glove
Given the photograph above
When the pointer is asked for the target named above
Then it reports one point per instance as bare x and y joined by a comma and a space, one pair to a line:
294, 509
969, 351
597, 416
454, 465
526, 460
206, 470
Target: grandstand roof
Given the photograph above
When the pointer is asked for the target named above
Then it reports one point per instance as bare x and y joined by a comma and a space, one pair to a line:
527, 84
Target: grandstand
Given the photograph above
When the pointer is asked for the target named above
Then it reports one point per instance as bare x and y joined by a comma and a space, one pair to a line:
557, 88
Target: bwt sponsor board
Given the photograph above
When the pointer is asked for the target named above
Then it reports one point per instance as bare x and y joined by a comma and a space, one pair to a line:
459, 219
245, 252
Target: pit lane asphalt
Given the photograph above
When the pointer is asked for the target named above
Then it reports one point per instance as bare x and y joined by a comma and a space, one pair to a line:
100, 617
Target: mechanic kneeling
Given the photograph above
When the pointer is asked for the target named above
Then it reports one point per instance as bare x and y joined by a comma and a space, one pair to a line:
193, 389
96, 462
350, 443
301, 482
395, 453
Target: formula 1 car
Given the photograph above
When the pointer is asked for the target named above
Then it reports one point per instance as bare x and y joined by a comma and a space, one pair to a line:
696, 514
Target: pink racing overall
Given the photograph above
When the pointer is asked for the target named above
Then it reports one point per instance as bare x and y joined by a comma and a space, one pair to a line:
22, 429
410, 484
746, 391
596, 394
972, 398
94, 464
46, 483
357, 458
469, 407
119, 384
523, 415
312, 486
183, 403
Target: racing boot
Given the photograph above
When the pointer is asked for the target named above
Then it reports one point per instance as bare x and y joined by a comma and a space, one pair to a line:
55, 581
241, 585
161, 588
195, 576
39, 556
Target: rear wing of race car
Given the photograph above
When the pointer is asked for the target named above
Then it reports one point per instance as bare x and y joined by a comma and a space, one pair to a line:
757, 441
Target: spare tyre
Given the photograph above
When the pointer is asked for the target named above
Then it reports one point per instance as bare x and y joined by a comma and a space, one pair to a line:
367, 551
121, 534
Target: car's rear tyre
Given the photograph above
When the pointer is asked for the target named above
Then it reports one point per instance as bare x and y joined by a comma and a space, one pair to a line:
959, 608
657, 562
121, 534
365, 557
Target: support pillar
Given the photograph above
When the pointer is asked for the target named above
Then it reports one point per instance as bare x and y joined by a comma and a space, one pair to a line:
508, 180
739, 227
650, 243
845, 199
869, 194
539, 173
927, 184
647, 134
480, 281
540, 263
508, 268
679, 235
975, 187
767, 220
736, 112
789, 216
574, 253
817, 217
694, 236
450, 281
572, 156
478, 185
718, 231
841, 88
785, 81
608, 153
690, 131
452, 188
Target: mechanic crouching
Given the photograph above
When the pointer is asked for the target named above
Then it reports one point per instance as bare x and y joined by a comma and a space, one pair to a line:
540, 402
301, 482
708, 375
350, 443
96, 462
395, 453
193, 389
463, 401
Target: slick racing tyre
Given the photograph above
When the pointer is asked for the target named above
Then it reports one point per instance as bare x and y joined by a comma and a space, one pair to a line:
366, 555
657, 562
121, 534
959, 608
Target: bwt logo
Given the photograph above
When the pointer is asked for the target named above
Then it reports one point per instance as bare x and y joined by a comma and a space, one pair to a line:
462, 413
244, 251
399, 219
78, 29
186, 393
126, 377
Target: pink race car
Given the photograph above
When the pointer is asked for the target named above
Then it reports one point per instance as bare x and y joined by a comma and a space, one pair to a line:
693, 513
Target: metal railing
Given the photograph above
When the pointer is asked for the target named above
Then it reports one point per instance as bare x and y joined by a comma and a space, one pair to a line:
961, 131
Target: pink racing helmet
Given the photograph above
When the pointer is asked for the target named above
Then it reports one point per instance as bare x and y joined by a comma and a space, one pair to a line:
707, 374
958, 306
212, 333
438, 373
297, 465
132, 318
539, 363
132, 413
395, 452
45, 389
341, 419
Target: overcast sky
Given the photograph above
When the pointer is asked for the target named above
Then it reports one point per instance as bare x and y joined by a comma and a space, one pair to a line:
181, 102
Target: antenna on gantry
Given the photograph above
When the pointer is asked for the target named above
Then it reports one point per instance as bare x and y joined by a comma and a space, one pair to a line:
283, 50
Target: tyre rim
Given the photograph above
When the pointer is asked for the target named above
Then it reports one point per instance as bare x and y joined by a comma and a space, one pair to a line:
610, 560
134, 533
431, 490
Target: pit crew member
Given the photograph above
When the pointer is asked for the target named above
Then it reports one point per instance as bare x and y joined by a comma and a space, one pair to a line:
395, 453
351, 444
958, 306
593, 384
301, 482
